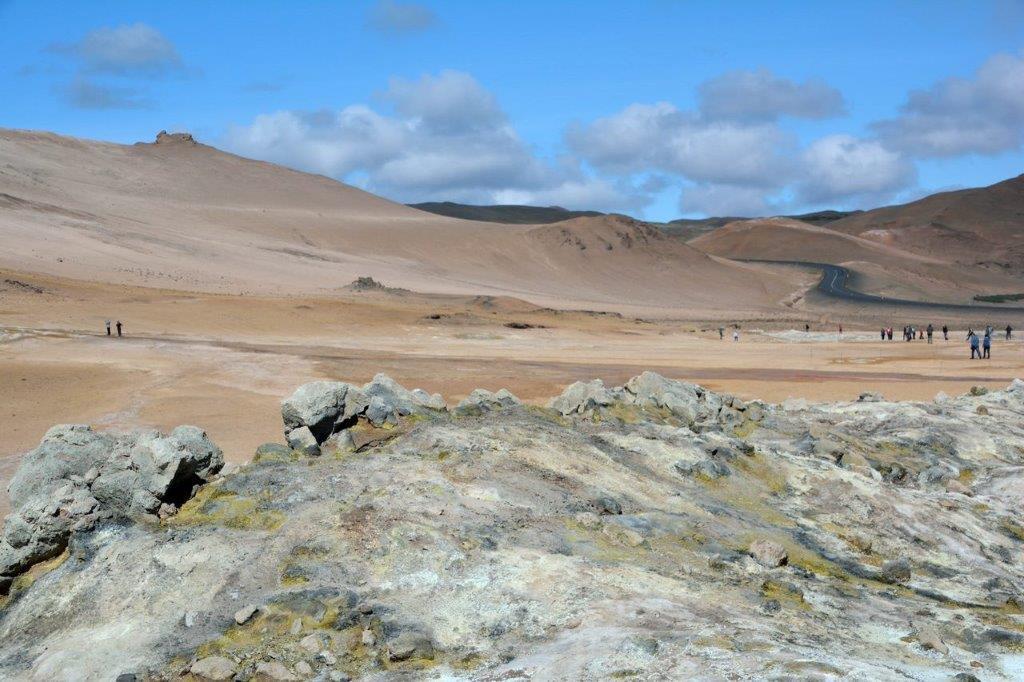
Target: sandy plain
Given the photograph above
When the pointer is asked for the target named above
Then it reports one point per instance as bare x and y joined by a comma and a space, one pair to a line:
224, 361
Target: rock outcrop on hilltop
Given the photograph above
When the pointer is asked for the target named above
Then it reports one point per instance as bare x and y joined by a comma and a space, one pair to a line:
655, 530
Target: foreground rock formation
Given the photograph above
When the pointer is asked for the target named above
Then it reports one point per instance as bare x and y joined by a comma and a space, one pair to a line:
655, 530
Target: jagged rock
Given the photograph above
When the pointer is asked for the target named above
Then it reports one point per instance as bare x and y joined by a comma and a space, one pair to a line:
486, 532
315, 406
78, 477
582, 397
243, 614
768, 553
213, 668
707, 468
481, 400
320, 409
304, 669
655, 391
303, 440
870, 397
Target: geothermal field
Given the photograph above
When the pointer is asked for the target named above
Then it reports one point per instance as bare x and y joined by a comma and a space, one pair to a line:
399, 391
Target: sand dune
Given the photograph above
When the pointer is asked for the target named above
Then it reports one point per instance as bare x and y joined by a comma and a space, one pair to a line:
186, 216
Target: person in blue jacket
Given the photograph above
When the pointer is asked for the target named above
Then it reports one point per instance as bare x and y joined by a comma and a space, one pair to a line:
975, 342
986, 346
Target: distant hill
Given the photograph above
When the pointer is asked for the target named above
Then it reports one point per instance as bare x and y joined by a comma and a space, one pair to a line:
509, 213
983, 225
822, 217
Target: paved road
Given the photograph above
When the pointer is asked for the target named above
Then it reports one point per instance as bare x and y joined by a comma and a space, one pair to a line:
834, 283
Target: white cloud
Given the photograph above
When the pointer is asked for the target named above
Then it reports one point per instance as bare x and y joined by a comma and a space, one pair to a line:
331, 143
762, 96
449, 101
448, 139
391, 16
980, 115
725, 200
129, 50
660, 137
842, 167
83, 93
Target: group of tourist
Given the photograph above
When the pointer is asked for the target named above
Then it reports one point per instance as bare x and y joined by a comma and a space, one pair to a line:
981, 346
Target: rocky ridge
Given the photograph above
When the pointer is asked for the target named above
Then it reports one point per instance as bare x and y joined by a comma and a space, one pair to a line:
655, 530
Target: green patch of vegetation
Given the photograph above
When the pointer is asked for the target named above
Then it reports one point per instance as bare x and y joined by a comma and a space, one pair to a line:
29, 577
998, 298
547, 414
218, 507
1013, 529
786, 594
745, 429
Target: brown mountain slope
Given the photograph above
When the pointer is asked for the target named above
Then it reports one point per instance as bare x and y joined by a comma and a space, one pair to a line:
181, 215
882, 269
980, 225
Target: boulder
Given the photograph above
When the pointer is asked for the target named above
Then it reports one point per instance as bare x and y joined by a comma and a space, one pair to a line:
407, 644
274, 671
651, 390
316, 405
303, 440
78, 477
328, 407
582, 397
213, 668
481, 400
768, 553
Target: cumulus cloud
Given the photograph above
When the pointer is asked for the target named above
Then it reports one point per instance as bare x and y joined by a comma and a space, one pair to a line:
661, 137
449, 101
725, 200
762, 96
983, 114
447, 139
391, 16
82, 93
332, 143
843, 167
129, 50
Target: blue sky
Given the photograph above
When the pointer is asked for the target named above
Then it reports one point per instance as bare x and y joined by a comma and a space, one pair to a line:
660, 109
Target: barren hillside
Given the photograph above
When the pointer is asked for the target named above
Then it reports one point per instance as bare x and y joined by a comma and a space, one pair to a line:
183, 215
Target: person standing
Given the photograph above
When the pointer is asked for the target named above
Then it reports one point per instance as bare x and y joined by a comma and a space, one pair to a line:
721, 333
119, 327
986, 346
108, 327
945, 333
930, 331
807, 328
735, 334
973, 339
889, 333
883, 333
1009, 332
